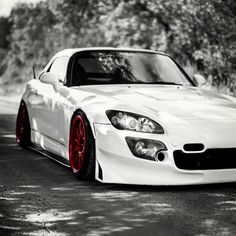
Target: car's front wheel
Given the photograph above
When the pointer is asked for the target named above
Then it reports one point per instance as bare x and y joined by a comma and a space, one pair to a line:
23, 126
82, 147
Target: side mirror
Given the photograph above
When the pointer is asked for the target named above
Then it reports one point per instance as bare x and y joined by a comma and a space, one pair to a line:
51, 78
199, 80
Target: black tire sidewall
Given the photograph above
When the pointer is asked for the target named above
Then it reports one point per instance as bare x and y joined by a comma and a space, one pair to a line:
87, 170
25, 139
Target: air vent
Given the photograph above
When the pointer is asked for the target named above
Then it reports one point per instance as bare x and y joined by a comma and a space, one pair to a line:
210, 159
193, 147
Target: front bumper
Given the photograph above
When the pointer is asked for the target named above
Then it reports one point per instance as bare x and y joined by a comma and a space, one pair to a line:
115, 163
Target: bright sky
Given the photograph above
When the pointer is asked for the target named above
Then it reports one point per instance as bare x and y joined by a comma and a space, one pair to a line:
6, 5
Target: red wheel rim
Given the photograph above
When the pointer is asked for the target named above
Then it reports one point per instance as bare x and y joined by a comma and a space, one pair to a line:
20, 123
77, 143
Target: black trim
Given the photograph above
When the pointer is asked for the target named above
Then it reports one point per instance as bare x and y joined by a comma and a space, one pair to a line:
100, 174
193, 147
211, 159
51, 156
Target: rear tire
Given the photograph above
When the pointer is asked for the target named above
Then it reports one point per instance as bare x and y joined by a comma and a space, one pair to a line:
23, 126
82, 147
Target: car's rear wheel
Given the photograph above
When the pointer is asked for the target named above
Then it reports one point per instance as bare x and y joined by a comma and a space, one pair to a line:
23, 126
82, 147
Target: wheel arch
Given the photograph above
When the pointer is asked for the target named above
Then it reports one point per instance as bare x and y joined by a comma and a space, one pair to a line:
89, 118
92, 140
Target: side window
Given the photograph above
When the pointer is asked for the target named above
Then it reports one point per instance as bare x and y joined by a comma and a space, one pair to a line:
59, 66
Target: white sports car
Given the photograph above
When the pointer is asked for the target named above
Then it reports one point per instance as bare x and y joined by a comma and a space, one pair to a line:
129, 116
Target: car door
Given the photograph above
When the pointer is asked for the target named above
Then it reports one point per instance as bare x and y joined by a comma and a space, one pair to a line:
47, 112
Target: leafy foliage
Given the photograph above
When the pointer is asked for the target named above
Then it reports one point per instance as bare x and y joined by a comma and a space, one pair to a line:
200, 34
5, 27
31, 26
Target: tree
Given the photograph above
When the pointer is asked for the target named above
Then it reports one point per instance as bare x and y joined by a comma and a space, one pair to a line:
199, 33
31, 42
5, 28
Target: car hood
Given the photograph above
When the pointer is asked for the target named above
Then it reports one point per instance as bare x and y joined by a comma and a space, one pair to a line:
170, 101
182, 111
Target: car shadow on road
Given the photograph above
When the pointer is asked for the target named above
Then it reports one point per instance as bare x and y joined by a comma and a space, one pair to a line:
38, 196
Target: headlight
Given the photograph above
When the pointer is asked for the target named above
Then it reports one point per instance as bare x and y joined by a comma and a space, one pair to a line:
130, 121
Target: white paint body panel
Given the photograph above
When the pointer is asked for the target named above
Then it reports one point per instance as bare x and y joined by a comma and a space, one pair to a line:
187, 114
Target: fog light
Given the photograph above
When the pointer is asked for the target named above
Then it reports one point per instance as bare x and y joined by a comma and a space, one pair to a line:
139, 147
160, 156
146, 148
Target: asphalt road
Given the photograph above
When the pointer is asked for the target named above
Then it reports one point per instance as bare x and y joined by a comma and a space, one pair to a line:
40, 197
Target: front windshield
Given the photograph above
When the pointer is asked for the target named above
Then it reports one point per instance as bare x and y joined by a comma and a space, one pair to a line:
118, 67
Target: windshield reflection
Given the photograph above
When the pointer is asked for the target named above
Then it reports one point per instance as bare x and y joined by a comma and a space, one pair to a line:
118, 67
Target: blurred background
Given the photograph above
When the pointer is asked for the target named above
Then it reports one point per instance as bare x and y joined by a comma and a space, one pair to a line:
199, 34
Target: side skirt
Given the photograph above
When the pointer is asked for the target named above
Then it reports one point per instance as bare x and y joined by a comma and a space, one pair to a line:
51, 156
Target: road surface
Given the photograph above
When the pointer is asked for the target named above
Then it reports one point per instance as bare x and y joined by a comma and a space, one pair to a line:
40, 197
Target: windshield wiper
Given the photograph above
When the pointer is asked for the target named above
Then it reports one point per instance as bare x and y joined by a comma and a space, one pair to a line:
168, 83
141, 82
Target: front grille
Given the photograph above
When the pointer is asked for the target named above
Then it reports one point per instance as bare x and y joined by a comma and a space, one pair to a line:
211, 159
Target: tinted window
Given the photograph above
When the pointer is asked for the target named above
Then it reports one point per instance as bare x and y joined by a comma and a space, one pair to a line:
112, 67
59, 66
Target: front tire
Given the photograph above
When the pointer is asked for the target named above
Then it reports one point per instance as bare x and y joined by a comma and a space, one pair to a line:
23, 126
82, 147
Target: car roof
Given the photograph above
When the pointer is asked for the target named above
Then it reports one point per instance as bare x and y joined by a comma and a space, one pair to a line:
71, 51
